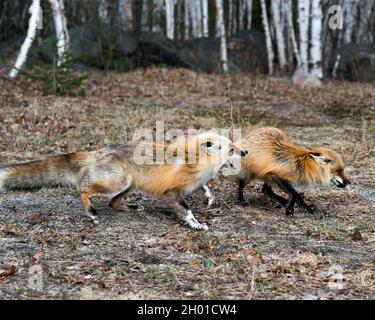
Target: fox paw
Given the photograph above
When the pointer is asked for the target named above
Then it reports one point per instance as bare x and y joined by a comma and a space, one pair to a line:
194, 224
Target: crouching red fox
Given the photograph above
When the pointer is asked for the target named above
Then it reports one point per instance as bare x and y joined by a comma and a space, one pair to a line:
277, 161
113, 172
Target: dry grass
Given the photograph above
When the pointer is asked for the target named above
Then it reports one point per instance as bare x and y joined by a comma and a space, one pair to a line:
253, 251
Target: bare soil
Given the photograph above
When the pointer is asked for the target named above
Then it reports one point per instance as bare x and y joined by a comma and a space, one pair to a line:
250, 252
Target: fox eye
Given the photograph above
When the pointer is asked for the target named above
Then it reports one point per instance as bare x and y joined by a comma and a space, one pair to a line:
208, 144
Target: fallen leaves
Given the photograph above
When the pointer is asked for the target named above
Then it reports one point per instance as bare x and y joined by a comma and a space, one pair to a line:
7, 270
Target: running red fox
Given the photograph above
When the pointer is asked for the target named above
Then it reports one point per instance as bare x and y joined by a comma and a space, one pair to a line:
113, 172
277, 161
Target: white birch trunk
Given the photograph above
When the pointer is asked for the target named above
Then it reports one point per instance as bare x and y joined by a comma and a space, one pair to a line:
60, 29
158, 8
303, 21
270, 53
249, 8
365, 11
103, 11
241, 11
196, 30
205, 17
350, 14
230, 19
186, 19
35, 11
169, 9
198, 8
291, 31
316, 39
275, 5
144, 15
223, 41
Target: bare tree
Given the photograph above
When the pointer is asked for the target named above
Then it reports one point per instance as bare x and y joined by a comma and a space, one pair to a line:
270, 53
303, 21
249, 11
316, 39
35, 11
280, 40
223, 41
350, 14
205, 17
169, 8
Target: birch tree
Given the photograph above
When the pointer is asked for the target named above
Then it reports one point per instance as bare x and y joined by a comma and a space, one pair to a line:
156, 15
303, 21
291, 31
350, 9
61, 29
241, 14
249, 11
35, 11
316, 39
280, 40
365, 12
205, 17
103, 11
186, 19
126, 14
223, 42
270, 53
169, 8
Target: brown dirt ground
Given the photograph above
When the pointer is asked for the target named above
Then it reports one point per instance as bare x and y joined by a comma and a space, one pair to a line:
252, 251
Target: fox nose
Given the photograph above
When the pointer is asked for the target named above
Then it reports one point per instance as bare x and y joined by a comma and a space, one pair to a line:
243, 153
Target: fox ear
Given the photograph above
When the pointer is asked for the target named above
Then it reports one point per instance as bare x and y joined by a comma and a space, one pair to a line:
320, 158
211, 147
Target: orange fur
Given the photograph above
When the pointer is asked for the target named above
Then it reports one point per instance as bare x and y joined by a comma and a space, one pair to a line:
271, 152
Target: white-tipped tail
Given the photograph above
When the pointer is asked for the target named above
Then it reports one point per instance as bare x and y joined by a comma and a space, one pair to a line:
3, 174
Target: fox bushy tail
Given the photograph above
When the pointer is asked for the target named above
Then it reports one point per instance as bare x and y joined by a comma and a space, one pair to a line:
60, 170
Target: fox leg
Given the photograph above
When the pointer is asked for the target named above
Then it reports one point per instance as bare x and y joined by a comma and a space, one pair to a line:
267, 190
241, 186
95, 189
210, 196
115, 202
293, 196
183, 212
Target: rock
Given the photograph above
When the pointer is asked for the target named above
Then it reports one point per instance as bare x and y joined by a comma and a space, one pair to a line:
303, 78
354, 63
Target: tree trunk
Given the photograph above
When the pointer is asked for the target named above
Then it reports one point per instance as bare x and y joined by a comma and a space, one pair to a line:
35, 11
186, 19
303, 21
61, 30
126, 14
223, 42
316, 39
275, 5
241, 10
205, 17
156, 15
270, 53
291, 31
198, 10
350, 15
169, 8
194, 18
249, 6
365, 11
103, 11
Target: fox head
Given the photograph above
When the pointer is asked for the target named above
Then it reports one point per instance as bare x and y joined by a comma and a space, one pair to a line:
220, 150
332, 165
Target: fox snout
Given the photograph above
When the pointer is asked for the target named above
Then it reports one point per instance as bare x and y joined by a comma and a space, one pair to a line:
243, 153
340, 182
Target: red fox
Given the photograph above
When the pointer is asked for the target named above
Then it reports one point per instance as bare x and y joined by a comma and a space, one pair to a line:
113, 172
277, 161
